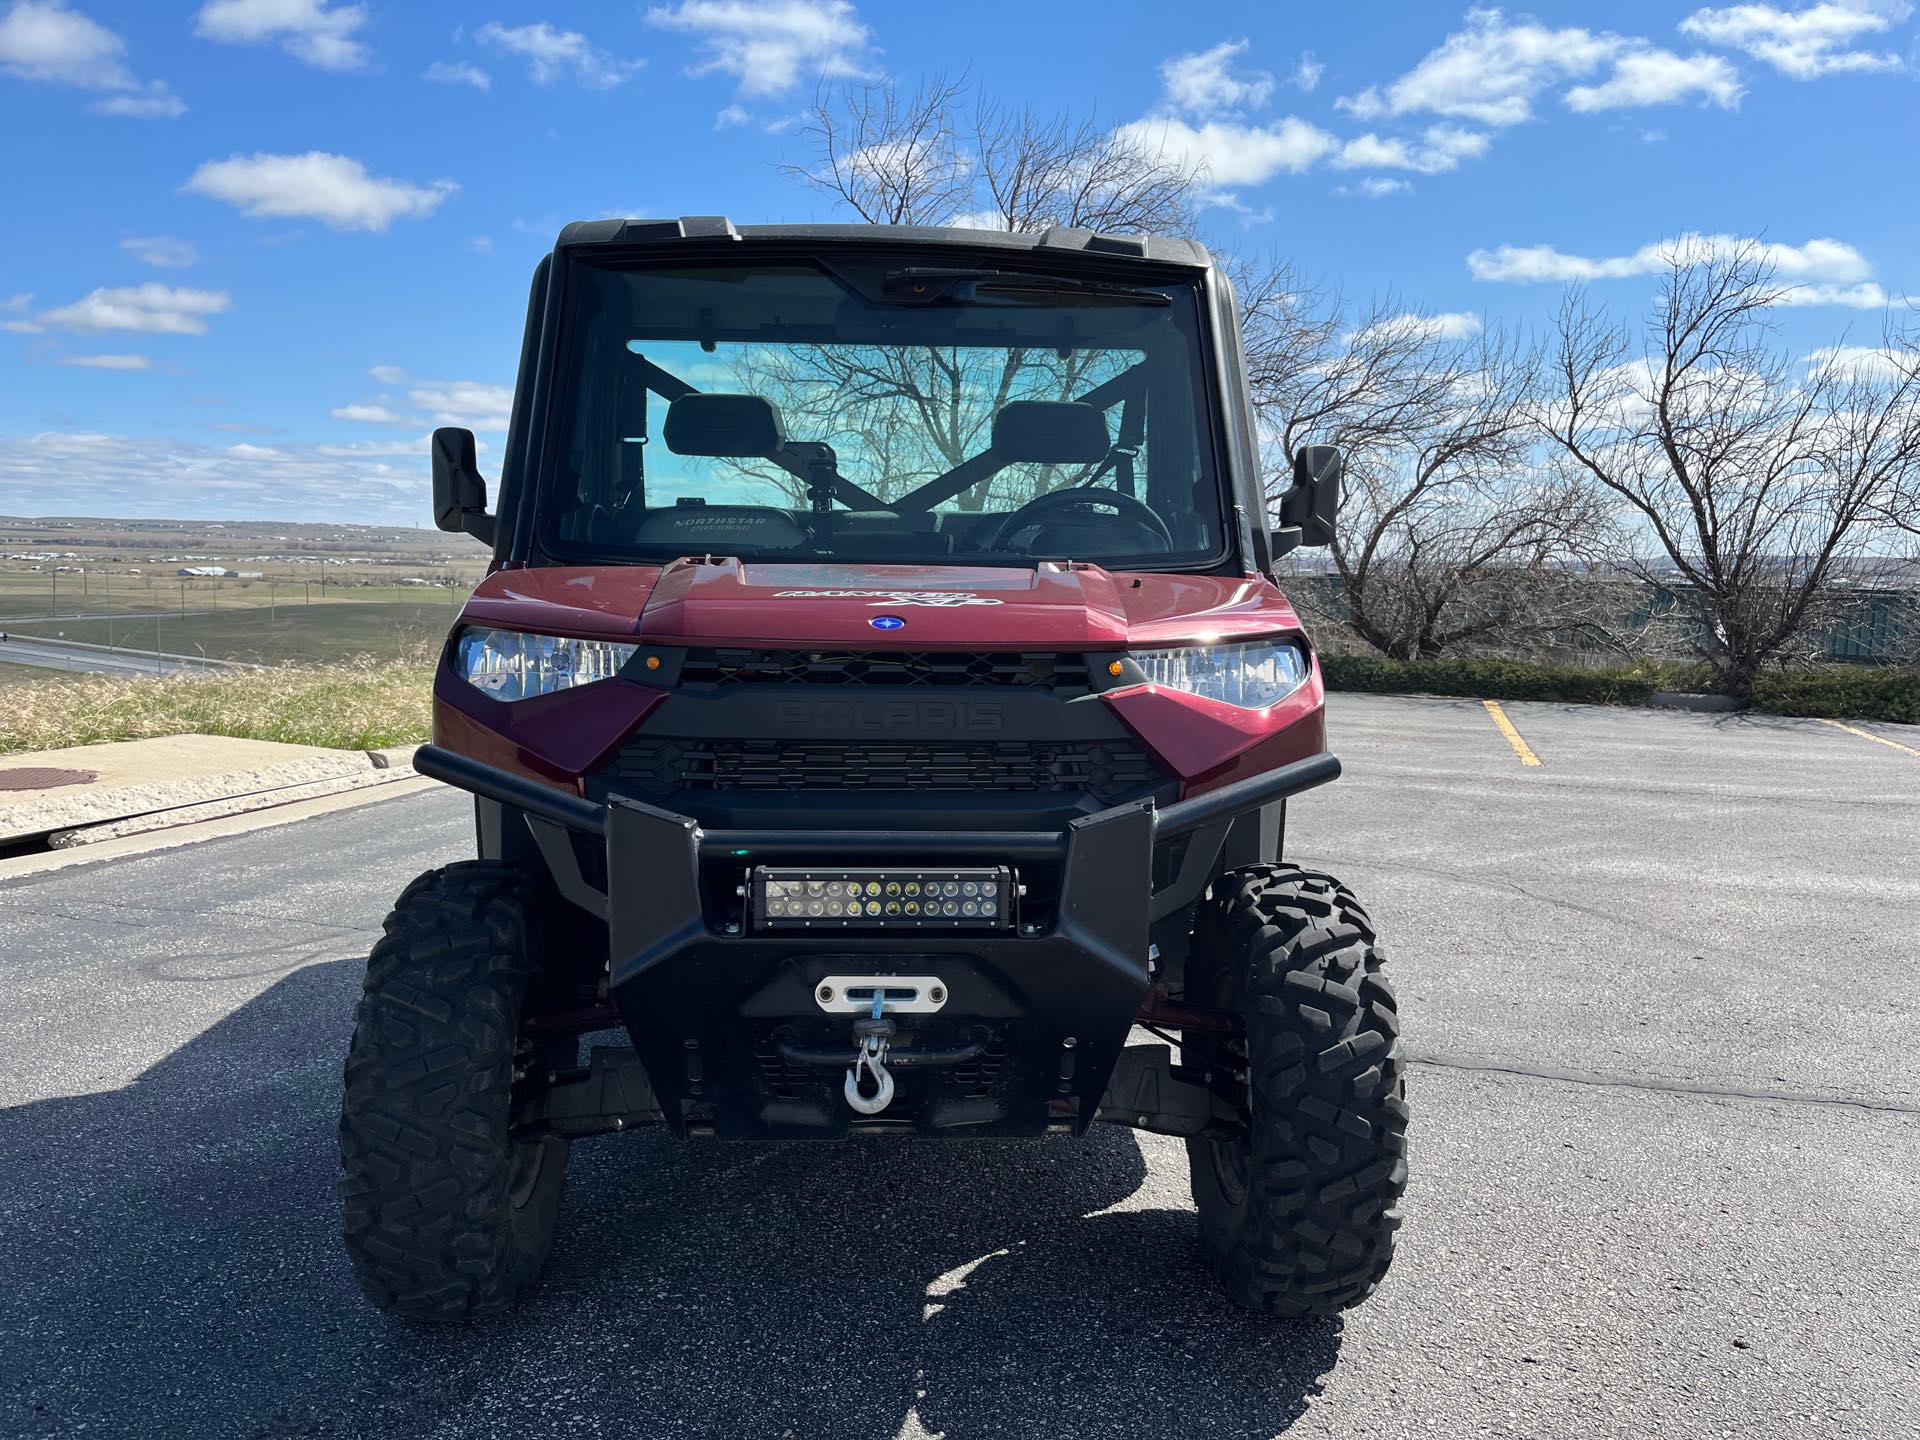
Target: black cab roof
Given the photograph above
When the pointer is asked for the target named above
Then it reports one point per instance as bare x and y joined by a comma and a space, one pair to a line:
1162, 249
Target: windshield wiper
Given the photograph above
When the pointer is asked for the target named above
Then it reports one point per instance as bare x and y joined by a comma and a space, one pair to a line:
933, 285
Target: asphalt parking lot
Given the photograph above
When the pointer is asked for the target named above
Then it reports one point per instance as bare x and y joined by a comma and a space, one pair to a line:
1666, 1168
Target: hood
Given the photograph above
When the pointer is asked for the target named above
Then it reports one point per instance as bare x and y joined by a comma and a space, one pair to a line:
730, 602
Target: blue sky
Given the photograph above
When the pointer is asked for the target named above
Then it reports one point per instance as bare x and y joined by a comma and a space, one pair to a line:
253, 250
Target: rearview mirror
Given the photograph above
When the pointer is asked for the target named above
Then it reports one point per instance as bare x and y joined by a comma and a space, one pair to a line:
1310, 504
459, 492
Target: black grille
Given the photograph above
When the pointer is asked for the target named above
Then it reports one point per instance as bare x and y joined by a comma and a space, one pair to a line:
1042, 670
1106, 770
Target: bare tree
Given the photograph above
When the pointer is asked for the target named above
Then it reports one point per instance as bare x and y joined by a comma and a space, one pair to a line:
1752, 475
1897, 360
1450, 531
1041, 170
892, 159
924, 158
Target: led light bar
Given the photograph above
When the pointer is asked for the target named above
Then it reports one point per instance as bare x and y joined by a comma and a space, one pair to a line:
881, 899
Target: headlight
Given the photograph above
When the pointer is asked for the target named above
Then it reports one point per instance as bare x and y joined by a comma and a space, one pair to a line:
512, 665
1252, 676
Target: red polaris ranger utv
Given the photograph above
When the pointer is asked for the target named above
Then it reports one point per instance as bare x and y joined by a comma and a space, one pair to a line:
880, 704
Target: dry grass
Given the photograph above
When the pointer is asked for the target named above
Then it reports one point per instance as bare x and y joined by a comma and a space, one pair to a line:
361, 705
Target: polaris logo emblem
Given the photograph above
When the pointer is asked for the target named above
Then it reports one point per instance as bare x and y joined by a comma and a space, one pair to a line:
936, 599
887, 622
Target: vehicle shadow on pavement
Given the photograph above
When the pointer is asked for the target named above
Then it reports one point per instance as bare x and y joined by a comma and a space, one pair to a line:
171, 1253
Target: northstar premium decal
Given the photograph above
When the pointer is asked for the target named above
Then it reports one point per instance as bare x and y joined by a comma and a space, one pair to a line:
879, 598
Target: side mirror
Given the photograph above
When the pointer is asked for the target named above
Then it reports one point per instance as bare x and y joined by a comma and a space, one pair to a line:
1309, 506
459, 492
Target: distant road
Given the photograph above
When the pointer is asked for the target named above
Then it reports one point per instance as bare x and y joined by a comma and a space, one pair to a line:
58, 655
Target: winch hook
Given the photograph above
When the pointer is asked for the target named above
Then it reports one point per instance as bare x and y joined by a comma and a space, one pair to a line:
870, 1057
870, 1054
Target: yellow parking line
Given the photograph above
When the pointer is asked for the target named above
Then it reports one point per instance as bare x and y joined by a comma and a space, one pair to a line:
1869, 735
1514, 738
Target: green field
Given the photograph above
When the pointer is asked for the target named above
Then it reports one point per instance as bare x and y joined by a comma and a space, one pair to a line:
296, 633
26, 594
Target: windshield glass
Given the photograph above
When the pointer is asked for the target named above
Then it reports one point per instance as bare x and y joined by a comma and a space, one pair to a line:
883, 411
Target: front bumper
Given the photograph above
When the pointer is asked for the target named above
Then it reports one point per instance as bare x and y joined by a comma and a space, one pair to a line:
724, 1018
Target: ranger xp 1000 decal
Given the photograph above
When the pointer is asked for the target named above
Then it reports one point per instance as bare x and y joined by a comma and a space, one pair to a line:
878, 598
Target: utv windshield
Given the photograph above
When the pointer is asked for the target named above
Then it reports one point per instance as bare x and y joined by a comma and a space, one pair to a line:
883, 411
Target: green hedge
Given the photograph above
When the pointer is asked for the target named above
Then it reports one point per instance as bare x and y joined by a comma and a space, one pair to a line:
1487, 679
1842, 693
1836, 691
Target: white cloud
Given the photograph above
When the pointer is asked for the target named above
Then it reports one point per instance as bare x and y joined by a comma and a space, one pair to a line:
392, 449
1374, 187
44, 41
1490, 72
108, 362
19, 305
1659, 77
470, 403
388, 374
1861, 362
164, 252
1806, 43
1820, 272
153, 101
1442, 148
368, 415
1204, 83
161, 476
771, 46
1447, 325
321, 35
1306, 75
452, 72
555, 55
330, 188
729, 116
151, 308
1234, 154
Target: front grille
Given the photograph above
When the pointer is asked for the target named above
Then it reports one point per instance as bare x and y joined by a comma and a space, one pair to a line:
1041, 670
1107, 770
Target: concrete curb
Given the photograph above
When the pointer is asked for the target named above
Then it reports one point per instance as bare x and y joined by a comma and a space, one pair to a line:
108, 811
44, 862
1685, 700
222, 808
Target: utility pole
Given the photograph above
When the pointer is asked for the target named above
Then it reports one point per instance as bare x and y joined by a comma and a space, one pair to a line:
107, 581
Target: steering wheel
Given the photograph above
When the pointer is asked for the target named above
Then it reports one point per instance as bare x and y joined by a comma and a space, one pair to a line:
1126, 505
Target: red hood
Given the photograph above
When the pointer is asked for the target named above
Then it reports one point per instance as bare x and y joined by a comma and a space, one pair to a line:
728, 602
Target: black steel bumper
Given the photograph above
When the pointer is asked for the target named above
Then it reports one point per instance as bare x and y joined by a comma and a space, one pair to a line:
724, 1018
